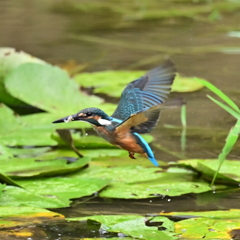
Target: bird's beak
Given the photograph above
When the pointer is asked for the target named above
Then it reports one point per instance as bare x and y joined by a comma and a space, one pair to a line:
68, 119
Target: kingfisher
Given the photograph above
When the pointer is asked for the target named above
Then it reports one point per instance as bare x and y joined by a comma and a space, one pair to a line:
137, 113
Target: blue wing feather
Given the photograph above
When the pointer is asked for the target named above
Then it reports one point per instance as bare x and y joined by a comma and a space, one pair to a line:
145, 92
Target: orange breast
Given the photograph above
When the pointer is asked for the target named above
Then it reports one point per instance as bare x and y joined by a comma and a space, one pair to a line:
128, 142
121, 139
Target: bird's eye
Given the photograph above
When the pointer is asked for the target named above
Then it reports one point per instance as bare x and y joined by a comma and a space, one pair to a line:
88, 114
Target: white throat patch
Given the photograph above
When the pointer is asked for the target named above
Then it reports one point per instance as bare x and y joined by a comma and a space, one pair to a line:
104, 122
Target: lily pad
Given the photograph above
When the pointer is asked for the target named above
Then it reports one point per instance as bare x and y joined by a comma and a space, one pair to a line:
7, 180
186, 84
120, 174
9, 60
29, 167
228, 174
21, 216
2, 186
170, 184
5, 152
18, 197
220, 214
130, 225
199, 228
64, 188
15, 132
48, 88
112, 83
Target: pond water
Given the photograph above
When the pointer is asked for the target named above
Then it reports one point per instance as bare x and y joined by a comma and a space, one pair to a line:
202, 40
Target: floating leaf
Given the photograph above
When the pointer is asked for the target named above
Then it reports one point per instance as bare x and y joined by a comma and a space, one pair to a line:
207, 224
21, 216
7, 180
109, 82
186, 84
48, 88
9, 60
112, 83
171, 184
199, 228
229, 172
28, 167
18, 197
14, 132
121, 174
220, 214
2, 186
130, 225
64, 188
5, 152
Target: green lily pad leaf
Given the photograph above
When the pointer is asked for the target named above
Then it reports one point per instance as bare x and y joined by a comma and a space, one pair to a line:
29, 152
5, 152
220, 214
112, 83
229, 172
29, 167
8, 121
170, 184
199, 228
120, 174
186, 84
64, 188
129, 225
18, 197
29, 137
7, 180
14, 132
22, 216
113, 238
10, 59
122, 160
48, 88
2, 186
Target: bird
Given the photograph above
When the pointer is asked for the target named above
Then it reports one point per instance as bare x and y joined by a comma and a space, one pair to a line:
137, 113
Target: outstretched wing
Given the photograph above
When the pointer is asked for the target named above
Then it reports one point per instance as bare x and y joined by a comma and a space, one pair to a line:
138, 120
145, 92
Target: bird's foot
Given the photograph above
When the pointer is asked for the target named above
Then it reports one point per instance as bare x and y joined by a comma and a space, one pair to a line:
131, 155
